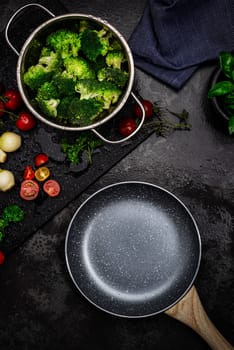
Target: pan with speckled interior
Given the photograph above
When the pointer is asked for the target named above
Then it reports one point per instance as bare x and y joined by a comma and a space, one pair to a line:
133, 249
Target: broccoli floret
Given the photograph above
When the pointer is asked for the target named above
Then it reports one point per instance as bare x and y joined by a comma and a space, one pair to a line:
84, 112
47, 91
115, 75
94, 43
79, 68
50, 60
108, 93
36, 75
79, 112
104, 91
65, 42
115, 58
87, 88
65, 83
48, 107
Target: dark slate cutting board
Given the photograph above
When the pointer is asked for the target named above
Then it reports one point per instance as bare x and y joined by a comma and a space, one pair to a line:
46, 139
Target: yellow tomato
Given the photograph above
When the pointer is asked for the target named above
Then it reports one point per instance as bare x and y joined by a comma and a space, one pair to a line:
42, 173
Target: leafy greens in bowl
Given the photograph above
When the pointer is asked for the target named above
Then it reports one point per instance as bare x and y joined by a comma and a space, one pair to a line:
222, 89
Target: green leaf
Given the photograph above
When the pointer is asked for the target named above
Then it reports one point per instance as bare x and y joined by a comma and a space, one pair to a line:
227, 63
231, 125
221, 88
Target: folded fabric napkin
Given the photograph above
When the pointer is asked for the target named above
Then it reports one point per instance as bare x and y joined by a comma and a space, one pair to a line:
174, 37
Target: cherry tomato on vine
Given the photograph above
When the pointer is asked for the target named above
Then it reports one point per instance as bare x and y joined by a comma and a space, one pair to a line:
13, 99
52, 188
148, 107
25, 121
29, 190
127, 126
40, 159
2, 257
29, 173
2, 108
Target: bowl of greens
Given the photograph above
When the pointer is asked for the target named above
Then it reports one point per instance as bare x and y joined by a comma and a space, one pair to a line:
221, 91
75, 72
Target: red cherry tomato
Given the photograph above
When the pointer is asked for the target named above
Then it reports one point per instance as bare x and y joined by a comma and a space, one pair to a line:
29, 190
148, 107
2, 257
13, 99
25, 121
29, 173
127, 126
2, 108
52, 188
40, 159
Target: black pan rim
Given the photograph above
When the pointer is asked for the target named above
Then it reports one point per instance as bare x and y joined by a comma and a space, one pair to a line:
198, 259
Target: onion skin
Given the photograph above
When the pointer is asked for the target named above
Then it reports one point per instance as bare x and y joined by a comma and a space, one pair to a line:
10, 141
7, 180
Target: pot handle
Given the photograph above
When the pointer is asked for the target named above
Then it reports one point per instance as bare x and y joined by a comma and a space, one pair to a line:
13, 17
133, 133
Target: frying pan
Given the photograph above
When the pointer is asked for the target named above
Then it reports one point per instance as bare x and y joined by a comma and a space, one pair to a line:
133, 249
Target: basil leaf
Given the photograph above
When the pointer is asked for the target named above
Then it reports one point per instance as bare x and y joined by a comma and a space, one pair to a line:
221, 88
231, 125
226, 60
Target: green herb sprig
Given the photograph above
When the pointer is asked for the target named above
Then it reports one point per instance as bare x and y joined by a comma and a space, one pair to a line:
11, 214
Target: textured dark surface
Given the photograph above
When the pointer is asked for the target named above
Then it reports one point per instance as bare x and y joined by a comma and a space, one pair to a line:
40, 308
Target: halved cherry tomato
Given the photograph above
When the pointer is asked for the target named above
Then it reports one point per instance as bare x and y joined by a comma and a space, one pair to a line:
29, 190
2, 257
42, 173
52, 188
148, 107
13, 99
127, 126
29, 173
40, 159
25, 121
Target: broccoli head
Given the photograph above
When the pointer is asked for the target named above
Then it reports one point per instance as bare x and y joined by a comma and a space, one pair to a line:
87, 88
65, 83
115, 58
94, 43
65, 42
115, 75
84, 112
79, 68
48, 107
36, 75
79, 112
47, 91
13, 213
50, 60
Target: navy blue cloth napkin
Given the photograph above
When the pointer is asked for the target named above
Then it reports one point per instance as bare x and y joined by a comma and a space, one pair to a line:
174, 37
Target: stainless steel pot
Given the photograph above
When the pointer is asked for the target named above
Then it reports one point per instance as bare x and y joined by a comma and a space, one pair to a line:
67, 20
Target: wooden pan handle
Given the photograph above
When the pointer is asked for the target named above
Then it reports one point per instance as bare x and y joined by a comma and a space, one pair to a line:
190, 311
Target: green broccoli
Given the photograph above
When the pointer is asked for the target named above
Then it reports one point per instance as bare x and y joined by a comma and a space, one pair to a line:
47, 91
115, 58
48, 107
65, 83
65, 42
87, 88
79, 68
84, 112
79, 112
50, 60
94, 43
36, 75
115, 75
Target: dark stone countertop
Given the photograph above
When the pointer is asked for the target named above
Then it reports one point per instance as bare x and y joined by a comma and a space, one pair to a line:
41, 309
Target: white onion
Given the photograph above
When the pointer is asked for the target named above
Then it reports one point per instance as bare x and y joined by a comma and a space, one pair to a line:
7, 180
3, 156
10, 141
